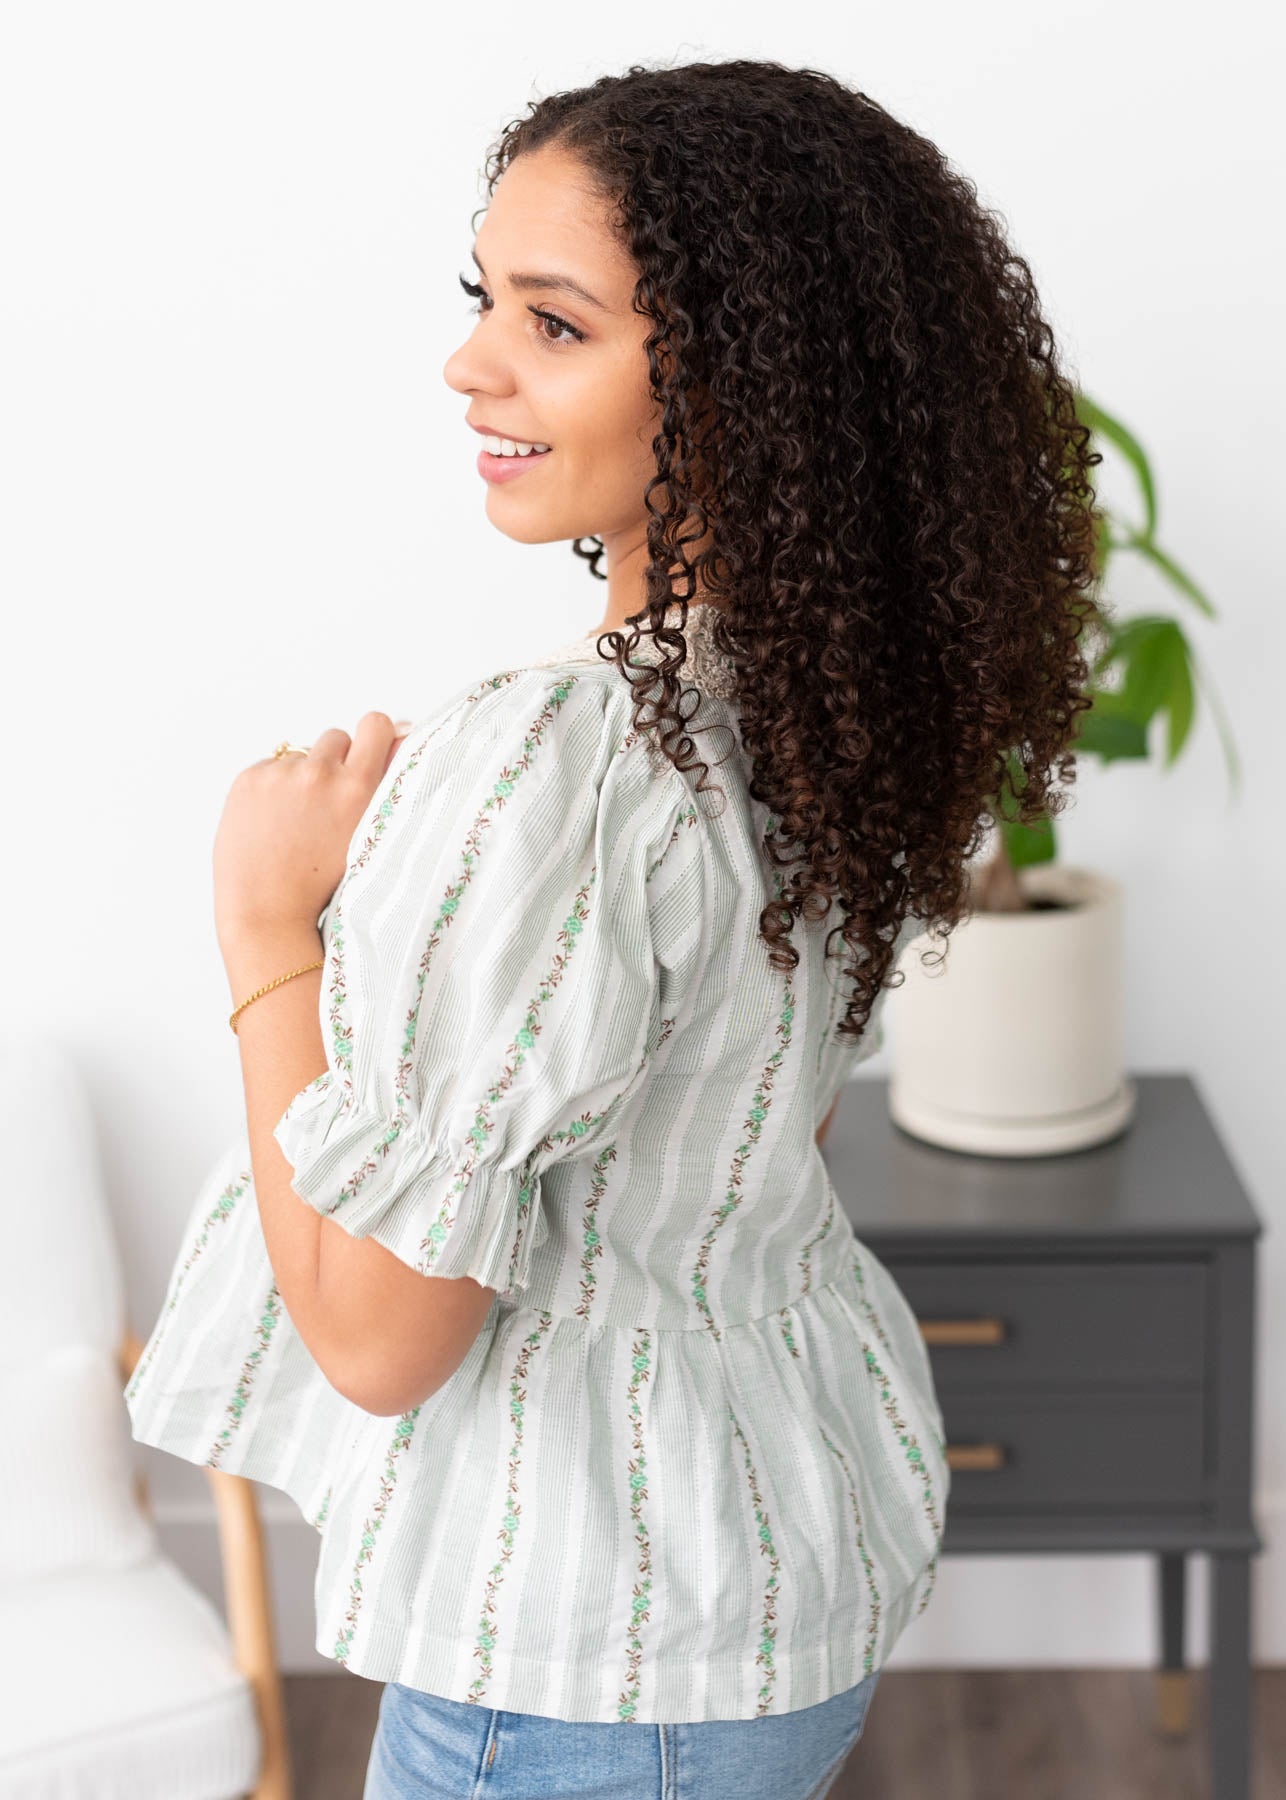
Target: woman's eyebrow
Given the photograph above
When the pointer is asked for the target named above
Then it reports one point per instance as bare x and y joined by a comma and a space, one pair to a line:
562, 282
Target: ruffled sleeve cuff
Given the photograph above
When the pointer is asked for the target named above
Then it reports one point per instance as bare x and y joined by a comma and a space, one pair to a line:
441, 1209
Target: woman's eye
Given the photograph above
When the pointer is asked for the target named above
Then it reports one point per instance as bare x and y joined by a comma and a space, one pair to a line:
480, 295
472, 288
549, 318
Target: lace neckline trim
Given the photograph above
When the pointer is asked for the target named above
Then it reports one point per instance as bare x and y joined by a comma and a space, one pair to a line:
705, 666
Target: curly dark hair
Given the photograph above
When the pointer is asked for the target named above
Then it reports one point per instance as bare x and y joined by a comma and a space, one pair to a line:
863, 409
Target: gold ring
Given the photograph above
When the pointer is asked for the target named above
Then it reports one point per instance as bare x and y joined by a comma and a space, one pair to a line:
287, 749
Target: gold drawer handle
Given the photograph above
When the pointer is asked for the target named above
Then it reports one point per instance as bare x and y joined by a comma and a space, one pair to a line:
975, 1456
963, 1331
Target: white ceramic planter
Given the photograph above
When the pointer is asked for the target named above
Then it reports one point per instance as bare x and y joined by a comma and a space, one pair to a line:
1014, 1046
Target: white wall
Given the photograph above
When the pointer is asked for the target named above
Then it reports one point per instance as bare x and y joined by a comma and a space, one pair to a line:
240, 505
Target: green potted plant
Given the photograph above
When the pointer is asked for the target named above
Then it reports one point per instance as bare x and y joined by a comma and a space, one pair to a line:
1015, 1045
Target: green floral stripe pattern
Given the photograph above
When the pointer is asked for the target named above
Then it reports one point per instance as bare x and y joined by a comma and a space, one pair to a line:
753, 1126
270, 1317
494, 803
341, 1030
372, 1525
488, 1628
637, 1473
516, 1053
221, 1212
772, 1582
689, 1466
868, 1566
893, 1411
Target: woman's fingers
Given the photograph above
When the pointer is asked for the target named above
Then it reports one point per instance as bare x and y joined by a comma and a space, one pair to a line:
402, 727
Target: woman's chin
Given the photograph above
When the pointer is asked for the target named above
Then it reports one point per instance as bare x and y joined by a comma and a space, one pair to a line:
531, 524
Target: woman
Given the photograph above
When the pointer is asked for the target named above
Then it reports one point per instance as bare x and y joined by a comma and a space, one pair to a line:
605, 1416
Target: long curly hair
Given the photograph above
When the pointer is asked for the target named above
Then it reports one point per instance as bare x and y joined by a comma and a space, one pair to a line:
862, 409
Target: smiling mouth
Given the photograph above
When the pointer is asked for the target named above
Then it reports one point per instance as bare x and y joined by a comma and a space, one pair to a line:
505, 468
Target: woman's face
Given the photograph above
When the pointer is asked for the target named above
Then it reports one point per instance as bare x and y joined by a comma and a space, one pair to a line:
574, 378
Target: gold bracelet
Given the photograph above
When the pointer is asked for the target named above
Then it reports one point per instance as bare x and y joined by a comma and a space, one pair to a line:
260, 992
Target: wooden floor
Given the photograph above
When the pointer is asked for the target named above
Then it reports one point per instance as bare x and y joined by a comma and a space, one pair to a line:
984, 1735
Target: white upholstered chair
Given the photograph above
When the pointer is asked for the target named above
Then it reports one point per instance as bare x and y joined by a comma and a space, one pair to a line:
118, 1679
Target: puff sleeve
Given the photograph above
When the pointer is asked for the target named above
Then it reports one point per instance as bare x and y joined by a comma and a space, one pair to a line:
490, 995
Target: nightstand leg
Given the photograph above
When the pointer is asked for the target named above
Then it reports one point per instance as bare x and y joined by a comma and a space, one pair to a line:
1173, 1682
1230, 1674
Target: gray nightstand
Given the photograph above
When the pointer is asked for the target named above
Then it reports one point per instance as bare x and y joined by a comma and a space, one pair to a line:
1090, 1322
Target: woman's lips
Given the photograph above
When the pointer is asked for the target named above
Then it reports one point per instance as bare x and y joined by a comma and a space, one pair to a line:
506, 468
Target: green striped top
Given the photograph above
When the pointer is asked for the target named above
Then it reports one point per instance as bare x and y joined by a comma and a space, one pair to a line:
693, 1465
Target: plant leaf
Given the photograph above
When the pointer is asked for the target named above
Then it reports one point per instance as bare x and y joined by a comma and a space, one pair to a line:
1110, 732
1112, 429
1155, 650
1179, 709
1028, 844
1174, 575
1224, 729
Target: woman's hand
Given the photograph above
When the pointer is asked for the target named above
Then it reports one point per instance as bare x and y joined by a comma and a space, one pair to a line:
287, 823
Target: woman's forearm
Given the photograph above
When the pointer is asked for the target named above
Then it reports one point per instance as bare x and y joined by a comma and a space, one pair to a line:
282, 1051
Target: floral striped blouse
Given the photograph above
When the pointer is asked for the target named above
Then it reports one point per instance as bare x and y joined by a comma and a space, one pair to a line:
693, 1465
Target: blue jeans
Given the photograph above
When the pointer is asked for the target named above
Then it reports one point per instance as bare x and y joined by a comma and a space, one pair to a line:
427, 1748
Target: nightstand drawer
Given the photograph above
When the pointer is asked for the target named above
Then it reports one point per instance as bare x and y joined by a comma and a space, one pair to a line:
1027, 1321
1113, 1450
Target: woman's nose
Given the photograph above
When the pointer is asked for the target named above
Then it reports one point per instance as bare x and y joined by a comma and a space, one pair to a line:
464, 370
